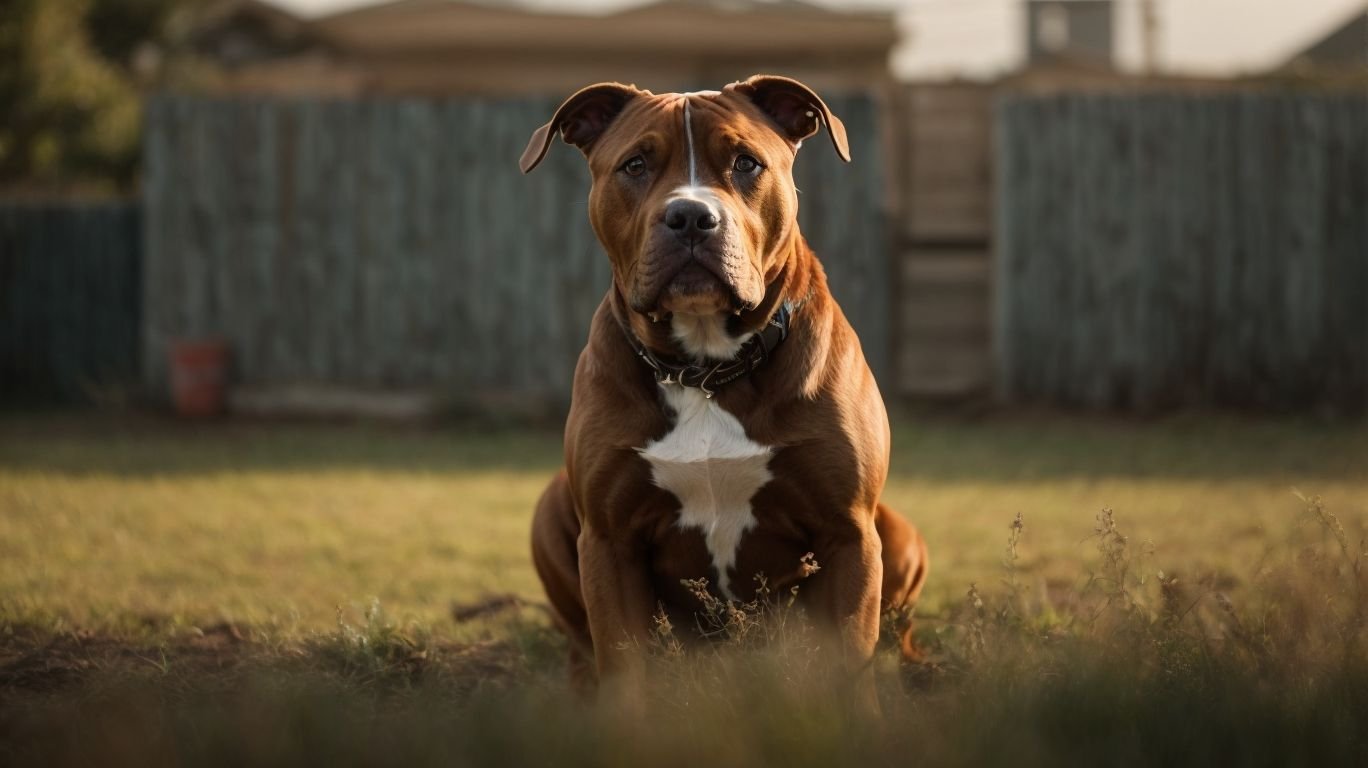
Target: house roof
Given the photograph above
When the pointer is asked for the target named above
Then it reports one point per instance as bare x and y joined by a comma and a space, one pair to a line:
222, 27
664, 28
1344, 46
271, 17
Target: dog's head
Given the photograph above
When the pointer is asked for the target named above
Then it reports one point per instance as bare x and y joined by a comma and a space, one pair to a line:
693, 194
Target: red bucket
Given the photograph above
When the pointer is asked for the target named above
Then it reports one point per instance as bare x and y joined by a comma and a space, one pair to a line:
199, 377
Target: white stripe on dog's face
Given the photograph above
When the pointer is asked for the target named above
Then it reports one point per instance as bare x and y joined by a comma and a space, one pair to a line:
688, 135
692, 190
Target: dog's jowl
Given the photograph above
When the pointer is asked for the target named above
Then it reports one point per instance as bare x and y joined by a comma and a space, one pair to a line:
724, 423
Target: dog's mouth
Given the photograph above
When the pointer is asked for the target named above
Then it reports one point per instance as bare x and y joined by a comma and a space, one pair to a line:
695, 290
689, 282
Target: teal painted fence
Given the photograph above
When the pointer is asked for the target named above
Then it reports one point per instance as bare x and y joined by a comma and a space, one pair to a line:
1167, 250
69, 301
395, 244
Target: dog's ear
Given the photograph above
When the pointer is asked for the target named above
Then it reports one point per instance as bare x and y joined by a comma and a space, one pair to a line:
580, 120
796, 109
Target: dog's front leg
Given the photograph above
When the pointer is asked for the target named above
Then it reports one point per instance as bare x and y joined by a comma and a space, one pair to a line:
618, 599
849, 594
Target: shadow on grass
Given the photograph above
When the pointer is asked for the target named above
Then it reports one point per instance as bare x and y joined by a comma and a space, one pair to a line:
1026, 446
1007, 447
144, 445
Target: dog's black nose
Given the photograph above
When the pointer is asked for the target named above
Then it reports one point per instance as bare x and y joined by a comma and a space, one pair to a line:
693, 220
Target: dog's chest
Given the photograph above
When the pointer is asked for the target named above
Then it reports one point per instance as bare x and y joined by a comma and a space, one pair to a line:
712, 467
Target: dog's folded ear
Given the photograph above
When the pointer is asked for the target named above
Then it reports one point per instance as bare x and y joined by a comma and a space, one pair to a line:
795, 108
580, 120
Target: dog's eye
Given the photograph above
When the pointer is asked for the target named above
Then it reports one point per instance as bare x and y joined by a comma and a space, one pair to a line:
635, 166
746, 164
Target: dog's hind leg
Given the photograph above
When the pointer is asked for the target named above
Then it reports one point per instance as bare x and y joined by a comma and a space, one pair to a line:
905, 566
555, 531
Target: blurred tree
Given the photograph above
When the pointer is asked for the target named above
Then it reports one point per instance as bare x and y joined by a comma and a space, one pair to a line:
71, 89
119, 28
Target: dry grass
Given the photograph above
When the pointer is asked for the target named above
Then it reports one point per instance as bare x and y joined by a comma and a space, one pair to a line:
281, 594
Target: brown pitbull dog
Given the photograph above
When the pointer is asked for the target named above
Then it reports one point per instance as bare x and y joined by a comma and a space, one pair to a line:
724, 421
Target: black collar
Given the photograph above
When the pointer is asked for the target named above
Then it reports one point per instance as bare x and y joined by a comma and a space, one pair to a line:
709, 378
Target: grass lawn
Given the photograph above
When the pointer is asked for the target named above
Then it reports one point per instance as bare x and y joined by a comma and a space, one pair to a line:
121, 532
107, 520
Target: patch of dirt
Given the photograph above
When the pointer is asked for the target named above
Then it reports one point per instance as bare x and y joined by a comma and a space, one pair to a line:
35, 661
38, 661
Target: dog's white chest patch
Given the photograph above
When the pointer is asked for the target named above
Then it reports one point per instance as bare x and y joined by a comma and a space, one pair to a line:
714, 470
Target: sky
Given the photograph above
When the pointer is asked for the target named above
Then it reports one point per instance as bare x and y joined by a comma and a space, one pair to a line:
982, 38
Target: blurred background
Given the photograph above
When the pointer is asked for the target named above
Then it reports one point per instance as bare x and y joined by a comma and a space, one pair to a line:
1101, 254
313, 205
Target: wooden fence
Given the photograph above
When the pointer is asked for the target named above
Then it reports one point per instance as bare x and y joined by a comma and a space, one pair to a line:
383, 244
69, 298
943, 147
1171, 250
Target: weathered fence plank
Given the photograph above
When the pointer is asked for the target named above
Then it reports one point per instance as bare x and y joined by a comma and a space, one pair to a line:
1161, 250
384, 244
69, 295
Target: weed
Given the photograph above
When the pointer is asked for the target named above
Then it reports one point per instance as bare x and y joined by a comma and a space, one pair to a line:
377, 651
